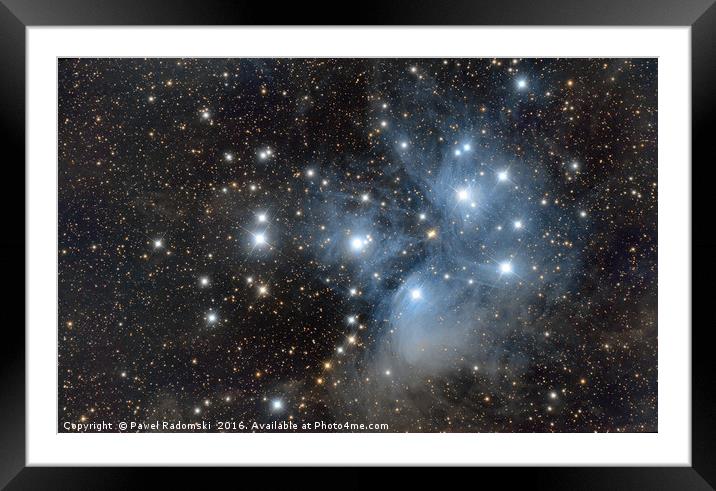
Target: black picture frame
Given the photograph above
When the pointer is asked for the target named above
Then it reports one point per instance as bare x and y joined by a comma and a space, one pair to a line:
16, 15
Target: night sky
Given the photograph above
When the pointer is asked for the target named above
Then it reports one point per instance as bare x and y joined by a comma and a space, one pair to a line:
457, 245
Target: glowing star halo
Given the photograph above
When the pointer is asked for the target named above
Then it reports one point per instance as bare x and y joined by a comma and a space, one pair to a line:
358, 244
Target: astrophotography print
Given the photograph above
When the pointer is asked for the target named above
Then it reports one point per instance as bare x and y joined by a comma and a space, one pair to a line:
357, 245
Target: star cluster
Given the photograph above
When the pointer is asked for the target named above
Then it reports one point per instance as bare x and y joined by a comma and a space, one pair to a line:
459, 245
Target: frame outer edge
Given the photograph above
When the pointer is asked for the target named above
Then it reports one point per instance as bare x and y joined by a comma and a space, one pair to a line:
367, 12
12, 127
703, 396
12, 349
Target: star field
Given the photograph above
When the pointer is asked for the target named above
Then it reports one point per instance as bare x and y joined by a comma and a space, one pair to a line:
457, 245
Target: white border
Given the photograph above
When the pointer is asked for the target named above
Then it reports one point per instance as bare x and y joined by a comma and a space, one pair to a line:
670, 446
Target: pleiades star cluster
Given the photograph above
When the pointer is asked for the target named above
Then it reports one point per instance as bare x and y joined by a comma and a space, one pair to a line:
420, 245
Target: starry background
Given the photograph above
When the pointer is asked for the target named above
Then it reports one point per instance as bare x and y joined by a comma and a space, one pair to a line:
462, 245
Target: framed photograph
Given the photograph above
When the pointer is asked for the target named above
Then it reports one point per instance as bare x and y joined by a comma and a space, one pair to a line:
452, 234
